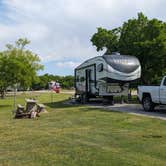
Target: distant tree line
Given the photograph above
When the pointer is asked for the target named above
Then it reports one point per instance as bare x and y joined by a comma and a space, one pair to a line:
66, 82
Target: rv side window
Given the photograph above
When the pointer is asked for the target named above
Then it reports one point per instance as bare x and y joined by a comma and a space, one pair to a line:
77, 79
164, 82
82, 79
100, 67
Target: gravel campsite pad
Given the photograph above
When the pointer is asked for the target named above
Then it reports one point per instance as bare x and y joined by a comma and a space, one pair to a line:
160, 112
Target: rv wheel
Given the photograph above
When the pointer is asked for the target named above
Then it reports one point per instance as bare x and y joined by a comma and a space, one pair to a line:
84, 98
108, 100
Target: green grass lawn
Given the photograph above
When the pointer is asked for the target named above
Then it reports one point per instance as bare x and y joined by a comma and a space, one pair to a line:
78, 135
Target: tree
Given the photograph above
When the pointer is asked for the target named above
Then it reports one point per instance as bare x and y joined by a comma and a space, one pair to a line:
106, 39
3, 81
18, 66
66, 82
143, 38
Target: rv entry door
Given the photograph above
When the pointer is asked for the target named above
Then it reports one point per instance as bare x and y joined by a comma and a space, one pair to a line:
88, 73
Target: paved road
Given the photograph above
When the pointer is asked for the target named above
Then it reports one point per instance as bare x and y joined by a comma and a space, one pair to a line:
136, 109
41, 91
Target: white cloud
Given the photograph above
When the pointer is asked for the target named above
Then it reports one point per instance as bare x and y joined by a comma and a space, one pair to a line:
32, 31
69, 64
60, 30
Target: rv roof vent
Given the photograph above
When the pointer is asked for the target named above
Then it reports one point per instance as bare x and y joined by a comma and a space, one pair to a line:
115, 53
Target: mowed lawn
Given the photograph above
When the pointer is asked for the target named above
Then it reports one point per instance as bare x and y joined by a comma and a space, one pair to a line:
78, 135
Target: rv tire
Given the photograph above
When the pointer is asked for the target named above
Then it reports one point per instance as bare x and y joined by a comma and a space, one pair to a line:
84, 98
108, 100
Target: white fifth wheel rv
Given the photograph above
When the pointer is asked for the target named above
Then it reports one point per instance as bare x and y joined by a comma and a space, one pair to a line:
106, 76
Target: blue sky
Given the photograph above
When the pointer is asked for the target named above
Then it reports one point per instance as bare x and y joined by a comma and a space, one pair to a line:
60, 30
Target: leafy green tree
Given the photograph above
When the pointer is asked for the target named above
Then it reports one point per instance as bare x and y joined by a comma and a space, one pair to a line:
107, 39
68, 82
141, 37
42, 82
145, 39
18, 66
3, 81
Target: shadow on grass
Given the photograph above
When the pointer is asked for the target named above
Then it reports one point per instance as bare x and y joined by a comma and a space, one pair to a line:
99, 109
87, 108
62, 104
5, 105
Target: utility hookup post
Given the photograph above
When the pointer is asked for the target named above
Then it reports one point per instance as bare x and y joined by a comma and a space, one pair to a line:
15, 90
51, 96
51, 90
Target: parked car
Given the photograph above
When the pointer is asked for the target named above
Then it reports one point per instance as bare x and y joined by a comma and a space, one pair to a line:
151, 96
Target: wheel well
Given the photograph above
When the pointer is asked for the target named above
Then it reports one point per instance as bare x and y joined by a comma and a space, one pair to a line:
146, 95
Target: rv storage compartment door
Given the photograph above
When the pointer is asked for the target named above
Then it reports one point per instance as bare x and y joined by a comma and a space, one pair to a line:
118, 89
114, 88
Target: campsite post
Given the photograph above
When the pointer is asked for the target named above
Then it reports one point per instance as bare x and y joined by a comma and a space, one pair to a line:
51, 91
51, 95
15, 89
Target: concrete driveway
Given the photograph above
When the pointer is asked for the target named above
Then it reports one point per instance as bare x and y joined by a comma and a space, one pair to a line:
135, 109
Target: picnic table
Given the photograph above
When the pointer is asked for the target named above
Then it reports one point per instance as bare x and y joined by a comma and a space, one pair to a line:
31, 111
30, 104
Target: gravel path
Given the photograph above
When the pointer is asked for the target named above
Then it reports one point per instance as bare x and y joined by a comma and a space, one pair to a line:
135, 109
41, 91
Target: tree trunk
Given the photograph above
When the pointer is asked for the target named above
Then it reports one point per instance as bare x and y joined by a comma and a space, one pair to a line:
2, 94
14, 98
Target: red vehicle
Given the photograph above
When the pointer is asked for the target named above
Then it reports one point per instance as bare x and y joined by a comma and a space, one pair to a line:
55, 86
56, 89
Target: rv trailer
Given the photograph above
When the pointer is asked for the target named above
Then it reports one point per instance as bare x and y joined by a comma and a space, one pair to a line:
106, 76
